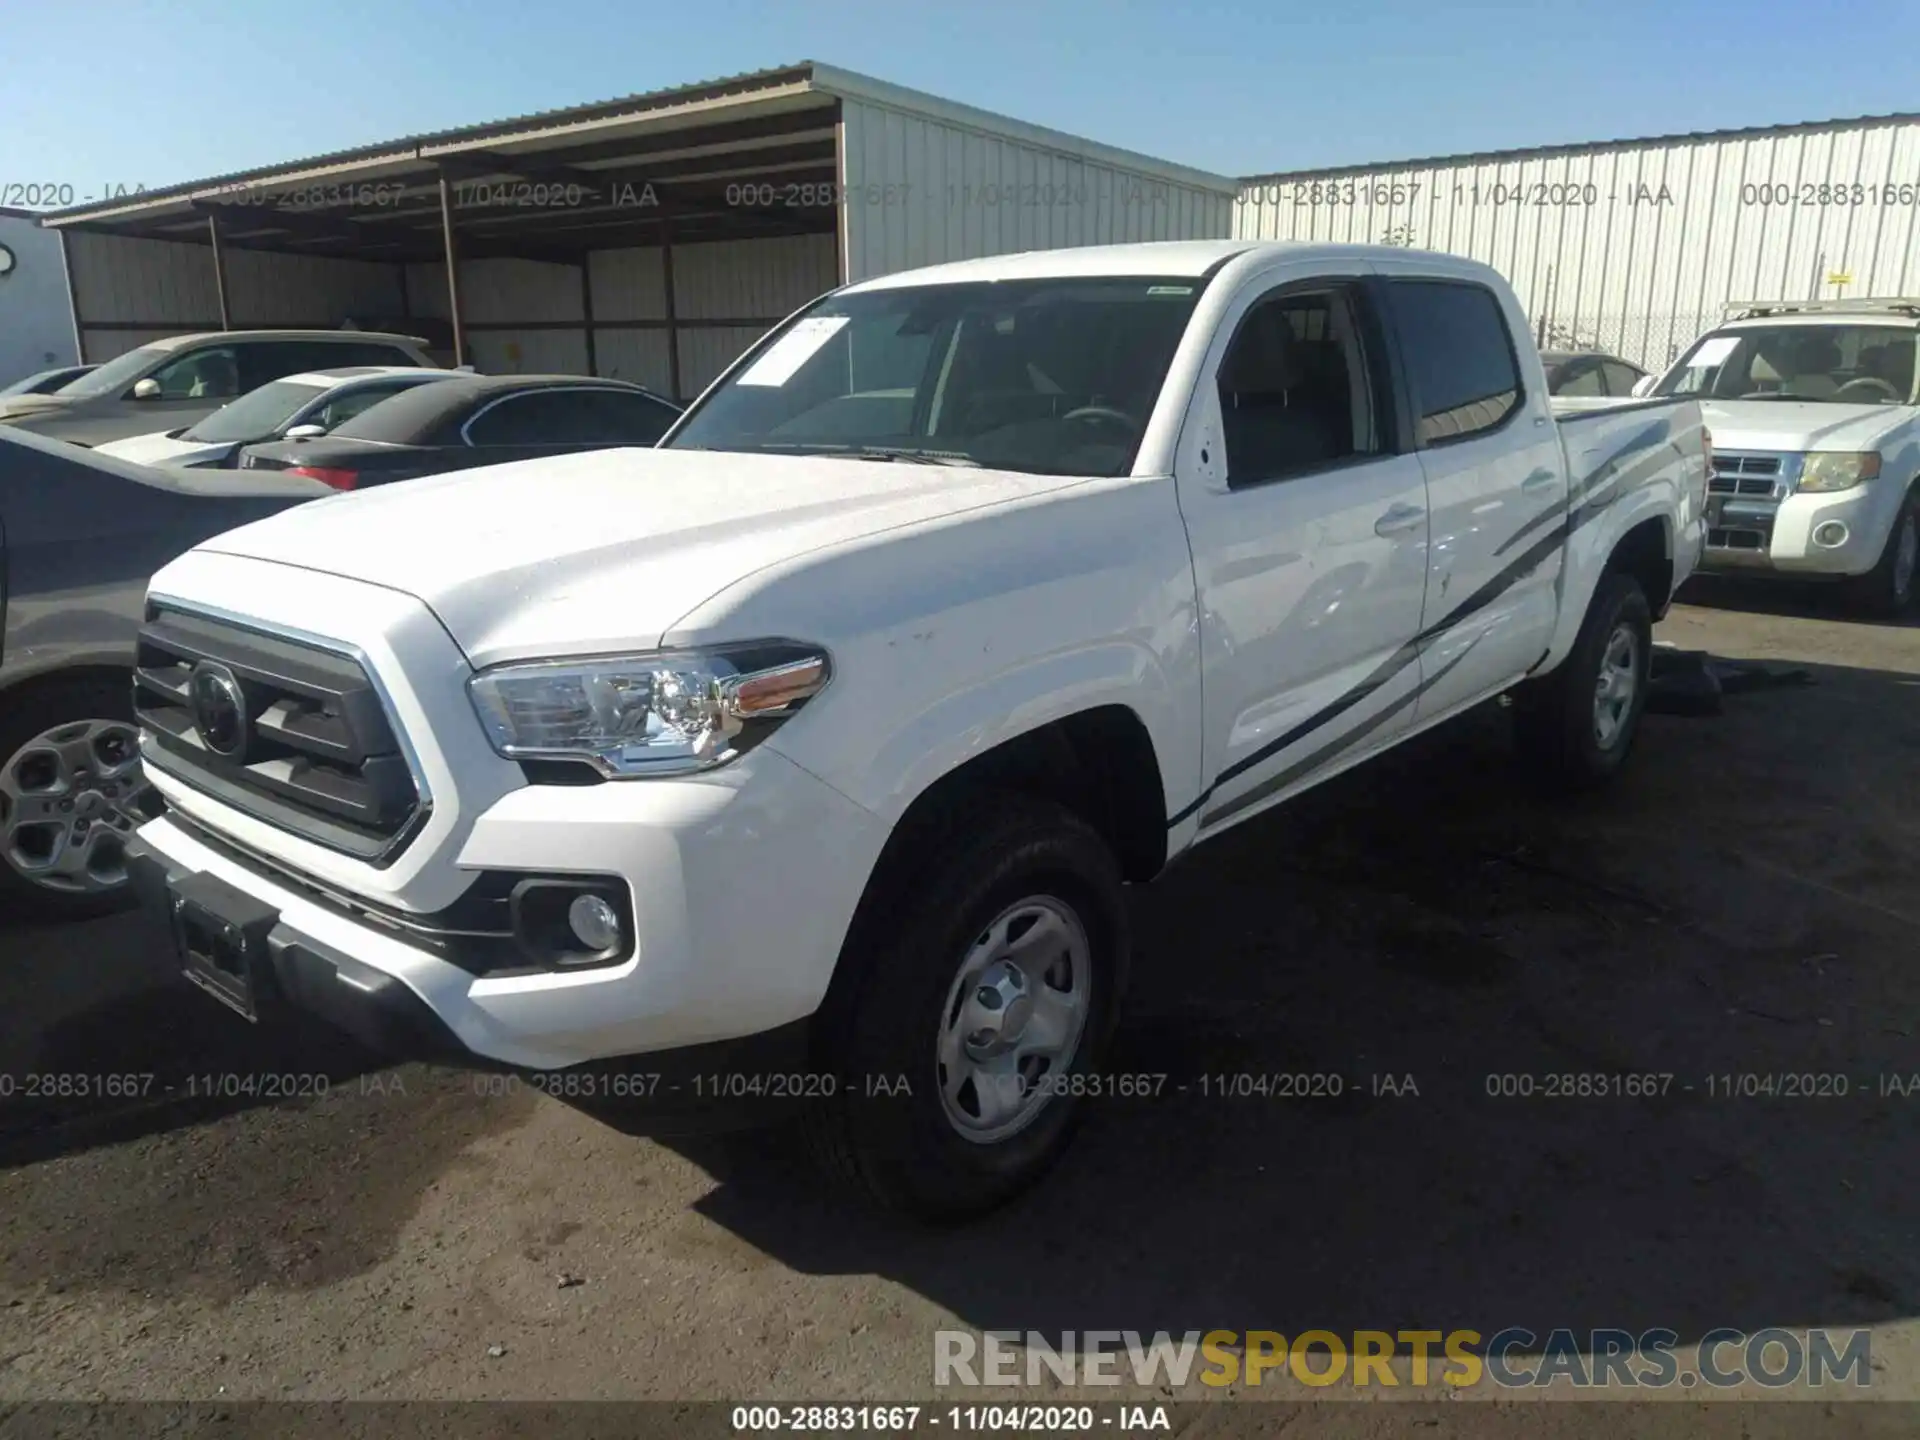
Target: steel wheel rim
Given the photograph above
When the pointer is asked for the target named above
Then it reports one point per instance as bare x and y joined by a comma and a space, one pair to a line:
1014, 1018
1617, 685
1906, 557
69, 798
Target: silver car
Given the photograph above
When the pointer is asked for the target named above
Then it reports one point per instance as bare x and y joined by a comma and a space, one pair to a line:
79, 536
169, 384
298, 407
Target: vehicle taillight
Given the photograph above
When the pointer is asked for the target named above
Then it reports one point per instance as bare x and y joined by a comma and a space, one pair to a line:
338, 479
1706, 444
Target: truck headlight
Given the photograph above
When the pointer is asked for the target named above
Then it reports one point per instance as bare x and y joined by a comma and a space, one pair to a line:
666, 713
1838, 469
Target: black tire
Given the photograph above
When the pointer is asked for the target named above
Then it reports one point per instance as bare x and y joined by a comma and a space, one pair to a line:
1554, 717
983, 855
1880, 591
34, 709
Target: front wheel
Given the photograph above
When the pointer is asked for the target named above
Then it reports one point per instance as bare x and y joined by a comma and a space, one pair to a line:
1888, 588
986, 980
1577, 724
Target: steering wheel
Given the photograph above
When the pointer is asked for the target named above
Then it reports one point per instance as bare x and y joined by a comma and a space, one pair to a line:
1873, 380
1104, 415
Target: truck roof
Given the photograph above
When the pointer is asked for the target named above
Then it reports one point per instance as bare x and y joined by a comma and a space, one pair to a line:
1155, 257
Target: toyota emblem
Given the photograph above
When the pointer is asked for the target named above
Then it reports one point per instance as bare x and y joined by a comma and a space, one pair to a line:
219, 709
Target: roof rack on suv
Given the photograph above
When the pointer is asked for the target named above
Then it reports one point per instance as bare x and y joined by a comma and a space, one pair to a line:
1865, 305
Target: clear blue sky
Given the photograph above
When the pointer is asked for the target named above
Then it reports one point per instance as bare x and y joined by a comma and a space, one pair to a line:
115, 92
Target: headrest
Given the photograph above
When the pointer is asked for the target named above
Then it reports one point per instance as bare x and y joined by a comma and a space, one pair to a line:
1264, 357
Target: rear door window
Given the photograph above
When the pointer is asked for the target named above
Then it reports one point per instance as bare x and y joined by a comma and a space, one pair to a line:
1580, 377
622, 417
1459, 356
1620, 378
540, 417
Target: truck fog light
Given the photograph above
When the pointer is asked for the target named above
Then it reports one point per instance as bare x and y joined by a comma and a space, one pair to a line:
595, 923
1830, 533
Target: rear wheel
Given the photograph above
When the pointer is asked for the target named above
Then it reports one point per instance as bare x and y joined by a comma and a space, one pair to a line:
986, 980
1578, 724
1888, 588
71, 792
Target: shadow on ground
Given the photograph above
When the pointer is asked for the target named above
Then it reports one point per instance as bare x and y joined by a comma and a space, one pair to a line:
1801, 599
1740, 905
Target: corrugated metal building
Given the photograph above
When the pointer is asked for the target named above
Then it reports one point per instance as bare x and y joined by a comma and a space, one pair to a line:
1635, 246
653, 237
36, 321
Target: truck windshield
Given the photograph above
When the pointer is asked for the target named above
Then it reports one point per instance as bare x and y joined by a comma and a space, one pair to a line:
1050, 376
1839, 364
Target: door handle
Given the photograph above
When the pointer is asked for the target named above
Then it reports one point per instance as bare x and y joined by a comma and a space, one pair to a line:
1399, 519
1540, 480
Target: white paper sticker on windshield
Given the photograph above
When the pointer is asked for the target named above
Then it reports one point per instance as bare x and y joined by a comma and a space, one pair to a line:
1712, 352
792, 350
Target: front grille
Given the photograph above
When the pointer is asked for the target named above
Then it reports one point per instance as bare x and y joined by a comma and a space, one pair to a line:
311, 751
1739, 475
1730, 485
1722, 537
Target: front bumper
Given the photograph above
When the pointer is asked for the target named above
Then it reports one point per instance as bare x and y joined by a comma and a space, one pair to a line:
1794, 536
300, 977
741, 885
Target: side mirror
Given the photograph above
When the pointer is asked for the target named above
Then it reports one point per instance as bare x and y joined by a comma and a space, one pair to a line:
147, 389
303, 432
1644, 385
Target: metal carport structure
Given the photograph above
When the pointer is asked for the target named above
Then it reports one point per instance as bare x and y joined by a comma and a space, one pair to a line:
652, 237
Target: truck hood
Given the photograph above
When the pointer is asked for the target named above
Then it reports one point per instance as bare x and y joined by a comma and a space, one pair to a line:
160, 448
1794, 426
604, 551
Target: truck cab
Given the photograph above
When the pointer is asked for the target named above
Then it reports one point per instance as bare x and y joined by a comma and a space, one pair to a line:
1814, 409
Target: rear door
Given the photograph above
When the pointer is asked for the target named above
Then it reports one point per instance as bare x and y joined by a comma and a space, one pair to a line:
1496, 481
1306, 512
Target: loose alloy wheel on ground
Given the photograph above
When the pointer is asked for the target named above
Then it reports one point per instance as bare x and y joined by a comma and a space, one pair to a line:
69, 797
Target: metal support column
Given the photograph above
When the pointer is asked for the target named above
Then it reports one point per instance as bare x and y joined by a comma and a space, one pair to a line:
673, 329
219, 270
453, 270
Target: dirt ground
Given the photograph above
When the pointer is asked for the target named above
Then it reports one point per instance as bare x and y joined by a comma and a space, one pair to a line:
1745, 902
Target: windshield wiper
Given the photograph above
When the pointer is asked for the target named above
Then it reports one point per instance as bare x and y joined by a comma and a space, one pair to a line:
910, 457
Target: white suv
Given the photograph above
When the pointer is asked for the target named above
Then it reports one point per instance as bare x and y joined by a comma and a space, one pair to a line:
1816, 443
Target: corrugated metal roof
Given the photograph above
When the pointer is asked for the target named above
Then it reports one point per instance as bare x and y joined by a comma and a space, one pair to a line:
408, 146
806, 74
1475, 157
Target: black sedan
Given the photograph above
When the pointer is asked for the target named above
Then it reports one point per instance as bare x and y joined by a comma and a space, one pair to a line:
472, 420
79, 536
1589, 374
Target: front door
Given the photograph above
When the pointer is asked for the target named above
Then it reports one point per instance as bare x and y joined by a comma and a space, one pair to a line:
1307, 514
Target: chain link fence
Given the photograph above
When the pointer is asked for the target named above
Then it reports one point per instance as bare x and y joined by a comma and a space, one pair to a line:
1650, 341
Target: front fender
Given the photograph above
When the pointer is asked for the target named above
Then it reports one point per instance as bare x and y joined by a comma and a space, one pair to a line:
951, 637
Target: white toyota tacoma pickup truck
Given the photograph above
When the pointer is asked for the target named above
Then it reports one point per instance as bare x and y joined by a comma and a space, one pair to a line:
806, 756
1815, 417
